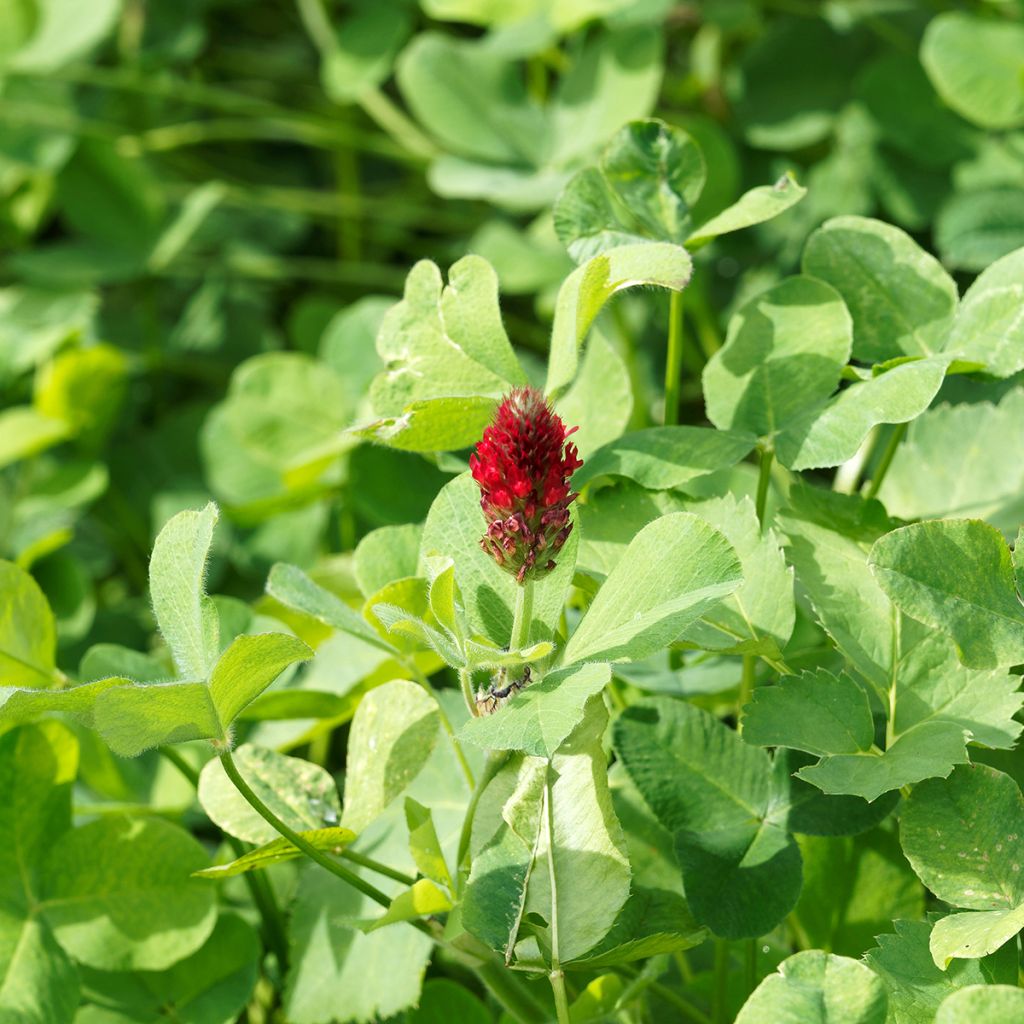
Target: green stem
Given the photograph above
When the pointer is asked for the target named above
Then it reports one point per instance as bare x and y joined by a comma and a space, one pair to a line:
513, 995
721, 995
259, 887
375, 865
886, 460
674, 358
466, 683
397, 125
747, 680
561, 998
299, 843
522, 616
495, 762
556, 975
764, 479
751, 965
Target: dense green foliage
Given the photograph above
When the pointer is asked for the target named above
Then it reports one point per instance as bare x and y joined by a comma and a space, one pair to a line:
279, 742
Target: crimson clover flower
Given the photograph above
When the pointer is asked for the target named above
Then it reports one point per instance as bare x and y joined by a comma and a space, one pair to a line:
522, 465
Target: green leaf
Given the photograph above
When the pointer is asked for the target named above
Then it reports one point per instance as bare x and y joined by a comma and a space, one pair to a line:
661, 458
433, 425
278, 433
741, 868
294, 589
977, 227
83, 388
35, 322
392, 736
28, 635
963, 837
976, 67
589, 866
421, 899
816, 712
38, 765
453, 530
758, 617
652, 921
600, 399
248, 667
277, 851
911, 674
832, 433
989, 328
364, 46
385, 555
590, 286
539, 718
959, 461
956, 575
916, 986
854, 886
649, 178
782, 356
444, 341
994, 1004
17, 706
686, 567
336, 971
754, 207
424, 845
299, 792
177, 572
212, 985
901, 300
118, 895
444, 1001
796, 109
38, 982
25, 432
818, 988
495, 896
135, 718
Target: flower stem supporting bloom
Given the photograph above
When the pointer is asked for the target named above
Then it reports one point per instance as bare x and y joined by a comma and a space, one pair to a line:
522, 615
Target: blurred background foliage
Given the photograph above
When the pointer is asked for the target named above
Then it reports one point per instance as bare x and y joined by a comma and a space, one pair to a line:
206, 207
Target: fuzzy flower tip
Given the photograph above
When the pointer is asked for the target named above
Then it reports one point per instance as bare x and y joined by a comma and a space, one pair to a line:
523, 465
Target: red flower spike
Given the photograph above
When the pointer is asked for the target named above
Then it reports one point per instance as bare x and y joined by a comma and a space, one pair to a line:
522, 466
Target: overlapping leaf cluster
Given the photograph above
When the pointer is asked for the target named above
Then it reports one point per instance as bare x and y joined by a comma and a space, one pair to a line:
264, 278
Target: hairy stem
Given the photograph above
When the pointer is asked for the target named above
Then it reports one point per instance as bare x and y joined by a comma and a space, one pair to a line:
522, 616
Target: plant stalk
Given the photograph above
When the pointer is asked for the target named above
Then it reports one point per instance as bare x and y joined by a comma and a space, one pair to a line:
258, 885
522, 616
674, 358
721, 994
886, 461
556, 975
764, 479
321, 858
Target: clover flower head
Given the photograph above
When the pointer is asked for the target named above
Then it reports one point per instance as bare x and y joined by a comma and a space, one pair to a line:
522, 466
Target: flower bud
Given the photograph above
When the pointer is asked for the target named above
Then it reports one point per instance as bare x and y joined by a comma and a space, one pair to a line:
522, 465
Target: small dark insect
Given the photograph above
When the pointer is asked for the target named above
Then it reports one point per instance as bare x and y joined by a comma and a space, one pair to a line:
488, 701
